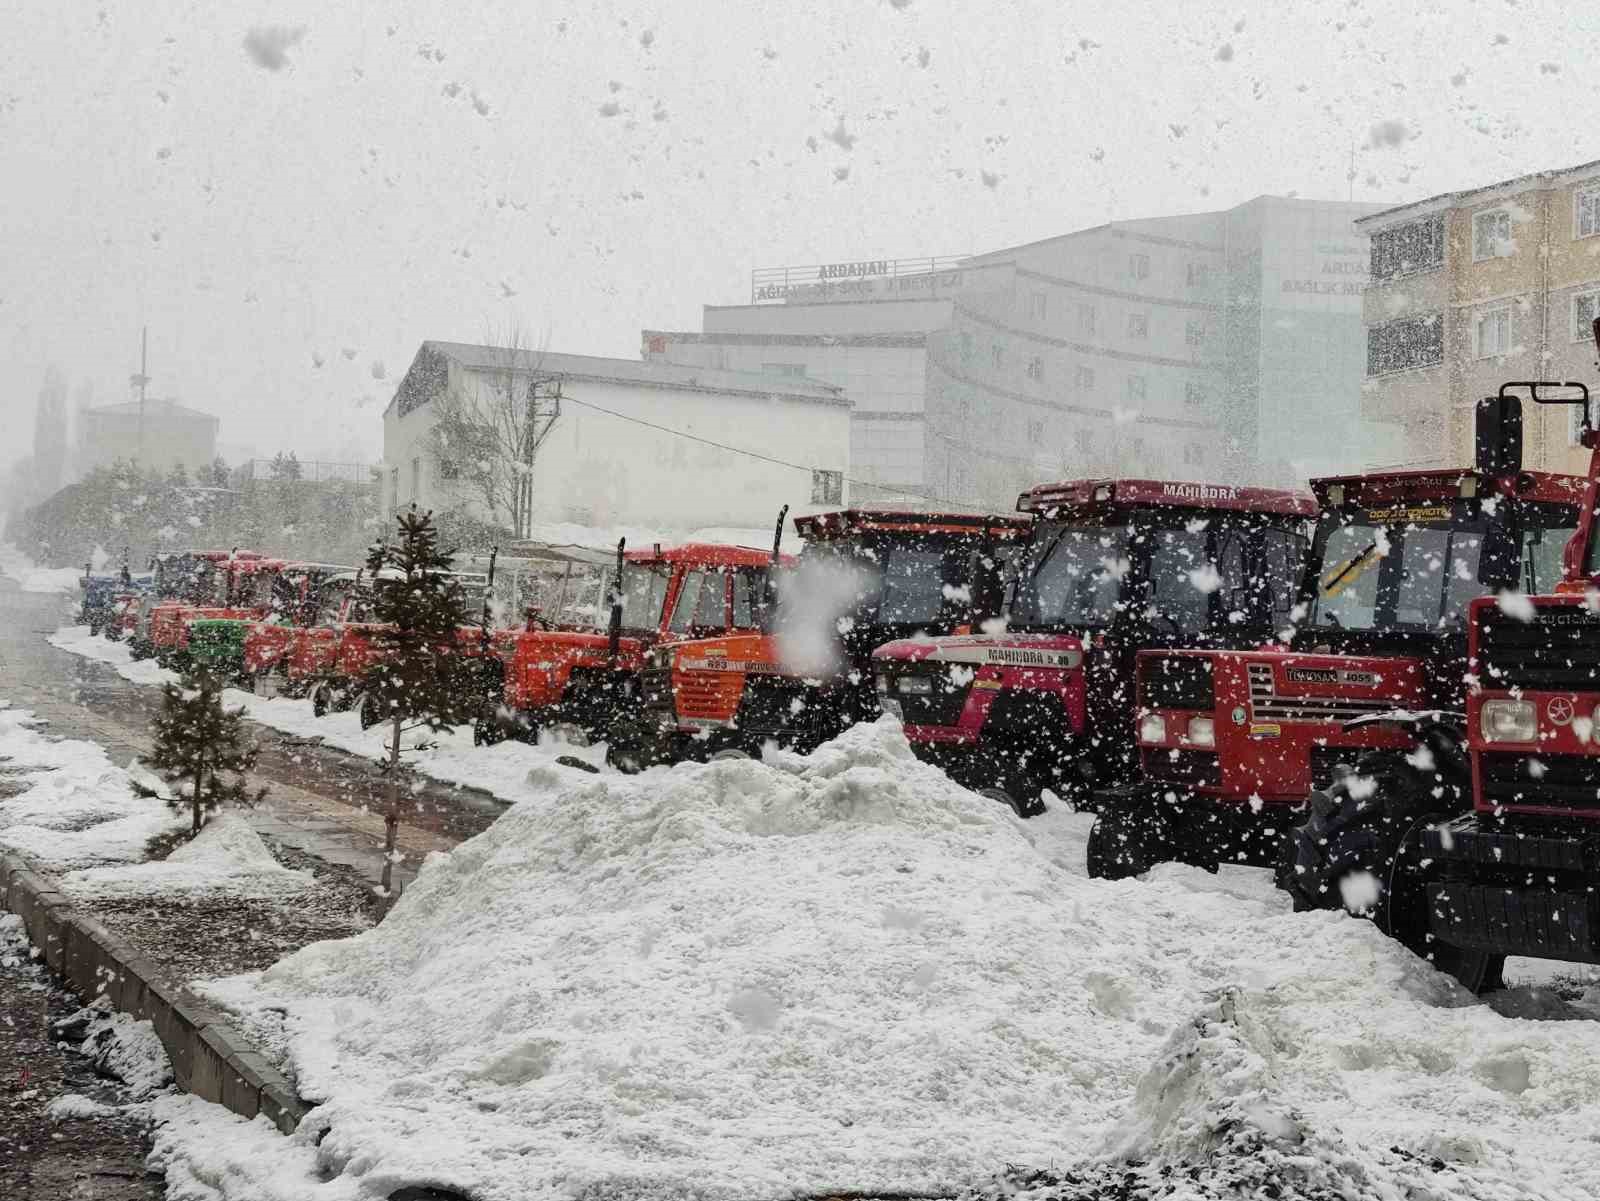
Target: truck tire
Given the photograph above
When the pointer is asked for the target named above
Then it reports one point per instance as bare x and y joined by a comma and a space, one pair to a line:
1124, 843
1376, 834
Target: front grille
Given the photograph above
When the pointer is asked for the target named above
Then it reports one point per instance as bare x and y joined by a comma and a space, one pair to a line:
1267, 705
1538, 922
1177, 682
1558, 649
1192, 768
1572, 781
697, 694
941, 707
772, 704
655, 688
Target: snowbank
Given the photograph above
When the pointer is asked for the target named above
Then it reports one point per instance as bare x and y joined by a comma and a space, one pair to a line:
77, 808
843, 972
17, 566
227, 856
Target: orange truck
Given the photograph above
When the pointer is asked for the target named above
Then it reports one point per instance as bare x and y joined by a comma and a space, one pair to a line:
864, 577
558, 670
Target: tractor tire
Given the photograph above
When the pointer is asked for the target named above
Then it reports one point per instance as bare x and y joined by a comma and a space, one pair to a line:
487, 731
729, 752
321, 700
1376, 835
1022, 805
1124, 843
140, 648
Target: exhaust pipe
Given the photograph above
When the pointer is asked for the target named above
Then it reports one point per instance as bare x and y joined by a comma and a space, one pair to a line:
615, 645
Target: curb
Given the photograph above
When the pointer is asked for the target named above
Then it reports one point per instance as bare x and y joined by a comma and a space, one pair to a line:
209, 1058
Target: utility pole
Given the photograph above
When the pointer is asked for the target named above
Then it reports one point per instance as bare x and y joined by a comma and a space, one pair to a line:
140, 381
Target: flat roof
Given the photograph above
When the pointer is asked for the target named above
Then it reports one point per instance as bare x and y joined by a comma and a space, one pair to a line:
642, 373
744, 338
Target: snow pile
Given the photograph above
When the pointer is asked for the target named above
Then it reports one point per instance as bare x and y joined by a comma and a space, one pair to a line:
78, 809
71, 1106
227, 856
124, 1049
17, 566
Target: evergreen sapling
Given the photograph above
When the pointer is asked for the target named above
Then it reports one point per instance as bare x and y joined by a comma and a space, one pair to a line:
423, 679
201, 748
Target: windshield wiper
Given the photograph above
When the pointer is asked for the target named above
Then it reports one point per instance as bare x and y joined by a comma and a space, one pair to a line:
1327, 585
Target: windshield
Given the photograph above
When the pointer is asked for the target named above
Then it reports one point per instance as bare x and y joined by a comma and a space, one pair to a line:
644, 594
1420, 577
1077, 579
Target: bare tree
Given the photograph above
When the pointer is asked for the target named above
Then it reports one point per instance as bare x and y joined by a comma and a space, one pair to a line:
488, 428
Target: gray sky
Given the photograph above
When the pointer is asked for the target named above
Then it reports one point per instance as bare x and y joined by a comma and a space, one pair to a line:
294, 195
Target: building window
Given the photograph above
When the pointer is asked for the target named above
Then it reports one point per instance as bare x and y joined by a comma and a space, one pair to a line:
1402, 345
1035, 432
1194, 395
1138, 325
1403, 249
1491, 235
1086, 319
1036, 368
1585, 308
1139, 266
1199, 274
449, 469
1194, 332
1085, 379
795, 370
416, 480
827, 487
1036, 306
998, 353
1586, 212
1136, 388
1491, 333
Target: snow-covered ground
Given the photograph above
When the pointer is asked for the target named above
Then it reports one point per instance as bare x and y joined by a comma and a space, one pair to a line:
75, 808
843, 972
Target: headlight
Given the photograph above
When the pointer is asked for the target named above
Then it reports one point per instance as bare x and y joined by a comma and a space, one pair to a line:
1202, 732
882, 681
1508, 721
1152, 728
916, 685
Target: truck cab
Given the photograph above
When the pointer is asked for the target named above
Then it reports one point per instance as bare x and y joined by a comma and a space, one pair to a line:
1109, 566
804, 674
1233, 742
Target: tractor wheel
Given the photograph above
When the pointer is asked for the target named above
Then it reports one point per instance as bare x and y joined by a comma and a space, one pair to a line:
487, 731
1359, 853
1124, 842
1023, 806
728, 752
371, 712
321, 700
140, 648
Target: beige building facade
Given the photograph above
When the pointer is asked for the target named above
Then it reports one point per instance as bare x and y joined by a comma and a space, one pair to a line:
1471, 289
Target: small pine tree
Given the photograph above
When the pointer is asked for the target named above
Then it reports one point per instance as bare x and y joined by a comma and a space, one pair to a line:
197, 741
423, 679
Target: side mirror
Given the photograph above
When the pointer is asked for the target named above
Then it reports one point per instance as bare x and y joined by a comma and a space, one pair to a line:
1499, 434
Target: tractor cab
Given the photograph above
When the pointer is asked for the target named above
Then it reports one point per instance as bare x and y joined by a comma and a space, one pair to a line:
1110, 567
802, 671
1233, 743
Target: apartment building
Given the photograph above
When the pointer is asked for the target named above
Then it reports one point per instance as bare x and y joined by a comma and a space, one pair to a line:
1471, 289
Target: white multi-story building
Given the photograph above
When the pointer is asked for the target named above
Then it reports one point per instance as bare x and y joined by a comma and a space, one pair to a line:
635, 443
1222, 345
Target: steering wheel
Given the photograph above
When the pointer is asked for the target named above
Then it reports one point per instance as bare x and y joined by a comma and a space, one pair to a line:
536, 619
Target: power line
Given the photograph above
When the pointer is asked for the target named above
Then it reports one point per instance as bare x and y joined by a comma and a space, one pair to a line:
749, 454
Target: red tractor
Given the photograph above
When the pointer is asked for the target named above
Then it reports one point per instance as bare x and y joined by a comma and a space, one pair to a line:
1111, 567
186, 577
801, 672
231, 588
568, 669
1233, 744
1484, 840
296, 598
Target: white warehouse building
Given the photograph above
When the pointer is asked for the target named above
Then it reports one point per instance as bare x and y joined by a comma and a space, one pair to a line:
631, 443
